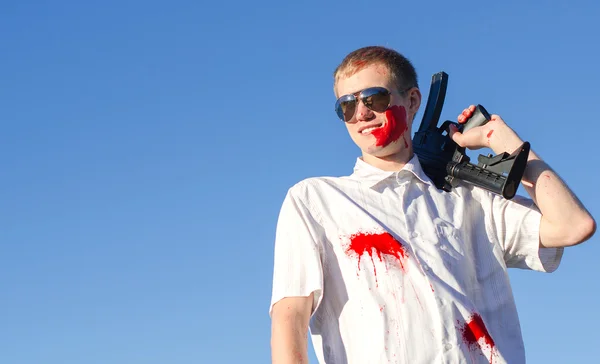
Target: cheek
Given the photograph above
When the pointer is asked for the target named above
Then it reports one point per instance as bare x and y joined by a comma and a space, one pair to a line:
395, 126
352, 128
397, 115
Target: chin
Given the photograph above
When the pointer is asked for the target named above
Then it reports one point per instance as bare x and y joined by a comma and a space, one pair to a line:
383, 152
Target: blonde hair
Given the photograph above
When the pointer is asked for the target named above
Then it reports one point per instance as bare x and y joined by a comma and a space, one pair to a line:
401, 70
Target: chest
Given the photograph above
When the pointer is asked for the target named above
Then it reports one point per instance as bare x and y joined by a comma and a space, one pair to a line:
412, 224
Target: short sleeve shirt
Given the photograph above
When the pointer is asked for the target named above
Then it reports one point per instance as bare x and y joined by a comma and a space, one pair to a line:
403, 272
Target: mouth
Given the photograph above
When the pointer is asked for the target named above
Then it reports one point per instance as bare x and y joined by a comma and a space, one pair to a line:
365, 130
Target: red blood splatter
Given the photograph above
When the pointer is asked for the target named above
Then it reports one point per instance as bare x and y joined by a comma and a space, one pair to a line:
394, 128
359, 64
383, 243
490, 133
475, 335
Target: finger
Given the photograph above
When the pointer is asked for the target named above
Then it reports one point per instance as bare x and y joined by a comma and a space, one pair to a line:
468, 112
461, 118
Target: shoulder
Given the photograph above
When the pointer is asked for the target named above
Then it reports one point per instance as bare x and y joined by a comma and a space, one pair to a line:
317, 186
305, 204
320, 194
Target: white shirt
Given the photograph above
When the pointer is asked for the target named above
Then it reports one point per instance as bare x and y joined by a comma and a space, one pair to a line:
403, 272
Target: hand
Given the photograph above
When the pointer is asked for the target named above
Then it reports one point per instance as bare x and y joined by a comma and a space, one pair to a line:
495, 134
478, 137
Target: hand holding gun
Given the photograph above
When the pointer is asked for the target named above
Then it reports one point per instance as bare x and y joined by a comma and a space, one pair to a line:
446, 163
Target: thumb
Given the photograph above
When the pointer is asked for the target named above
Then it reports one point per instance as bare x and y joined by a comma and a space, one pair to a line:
456, 135
463, 140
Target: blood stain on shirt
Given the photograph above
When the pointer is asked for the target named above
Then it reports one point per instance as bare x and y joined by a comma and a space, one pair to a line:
394, 128
379, 244
476, 335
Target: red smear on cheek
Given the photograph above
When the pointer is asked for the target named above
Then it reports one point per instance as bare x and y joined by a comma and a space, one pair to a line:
490, 133
475, 335
394, 128
379, 244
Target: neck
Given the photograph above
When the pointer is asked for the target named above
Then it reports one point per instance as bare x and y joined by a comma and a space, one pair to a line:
391, 163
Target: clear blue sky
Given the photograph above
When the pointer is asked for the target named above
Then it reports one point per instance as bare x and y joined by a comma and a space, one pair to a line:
146, 148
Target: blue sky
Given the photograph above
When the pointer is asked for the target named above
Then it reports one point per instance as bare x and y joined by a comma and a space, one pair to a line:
146, 148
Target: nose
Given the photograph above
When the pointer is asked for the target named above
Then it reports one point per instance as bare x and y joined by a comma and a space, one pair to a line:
363, 113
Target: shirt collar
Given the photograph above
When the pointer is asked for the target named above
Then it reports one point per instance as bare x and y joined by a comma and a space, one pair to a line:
370, 175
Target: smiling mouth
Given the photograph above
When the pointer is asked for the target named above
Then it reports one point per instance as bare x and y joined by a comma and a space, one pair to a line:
370, 129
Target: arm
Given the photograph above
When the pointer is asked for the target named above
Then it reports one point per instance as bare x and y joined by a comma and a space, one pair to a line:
289, 327
297, 279
565, 221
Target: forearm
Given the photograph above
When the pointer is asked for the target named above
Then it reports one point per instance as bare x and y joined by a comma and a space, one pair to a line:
565, 220
289, 343
289, 330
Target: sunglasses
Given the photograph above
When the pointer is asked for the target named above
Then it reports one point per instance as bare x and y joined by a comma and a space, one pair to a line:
374, 98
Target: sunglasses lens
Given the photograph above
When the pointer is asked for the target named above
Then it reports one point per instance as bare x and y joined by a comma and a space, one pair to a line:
345, 107
376, 98
348, 109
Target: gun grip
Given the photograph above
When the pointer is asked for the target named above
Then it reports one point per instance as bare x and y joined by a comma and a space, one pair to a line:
480, 117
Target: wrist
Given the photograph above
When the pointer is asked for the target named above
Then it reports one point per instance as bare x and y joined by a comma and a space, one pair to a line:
503, 138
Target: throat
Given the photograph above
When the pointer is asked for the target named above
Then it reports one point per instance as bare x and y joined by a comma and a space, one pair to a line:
389, 163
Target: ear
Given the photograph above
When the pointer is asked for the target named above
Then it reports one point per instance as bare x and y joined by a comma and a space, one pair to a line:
414, 98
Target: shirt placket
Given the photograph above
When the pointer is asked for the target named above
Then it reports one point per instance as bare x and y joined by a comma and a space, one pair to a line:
447, 330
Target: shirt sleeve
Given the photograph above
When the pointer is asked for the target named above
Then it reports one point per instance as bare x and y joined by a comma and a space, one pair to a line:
517, 227
297, 269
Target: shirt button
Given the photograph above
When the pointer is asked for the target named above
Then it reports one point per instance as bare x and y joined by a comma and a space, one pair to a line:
425, 267
414, 234
447, 346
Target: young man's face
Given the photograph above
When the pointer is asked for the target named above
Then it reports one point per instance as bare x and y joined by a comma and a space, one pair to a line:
380, 133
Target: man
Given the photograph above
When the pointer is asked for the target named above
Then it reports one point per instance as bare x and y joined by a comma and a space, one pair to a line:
385, 268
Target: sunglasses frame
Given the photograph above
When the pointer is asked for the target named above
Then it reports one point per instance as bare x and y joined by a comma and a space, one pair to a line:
360, 96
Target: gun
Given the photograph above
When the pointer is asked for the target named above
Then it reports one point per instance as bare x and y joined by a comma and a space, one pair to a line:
446, 163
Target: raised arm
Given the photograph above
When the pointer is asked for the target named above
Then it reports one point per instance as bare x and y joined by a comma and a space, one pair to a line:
289, 330
565, 221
